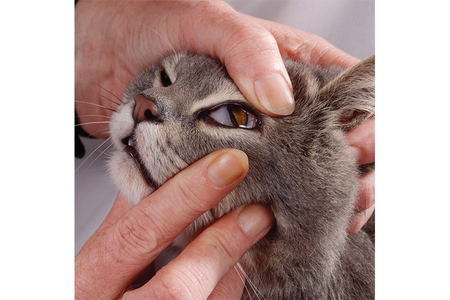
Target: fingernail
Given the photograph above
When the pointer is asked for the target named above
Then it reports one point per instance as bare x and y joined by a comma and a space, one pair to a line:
274, 94
370, 196
254, 219
227, 167
356, 152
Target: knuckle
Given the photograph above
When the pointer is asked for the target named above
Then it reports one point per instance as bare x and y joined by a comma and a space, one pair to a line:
175, 284
190, 197
226, 245
136, 235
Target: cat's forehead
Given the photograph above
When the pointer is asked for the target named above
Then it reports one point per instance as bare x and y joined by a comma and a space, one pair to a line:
192, 64
203, 78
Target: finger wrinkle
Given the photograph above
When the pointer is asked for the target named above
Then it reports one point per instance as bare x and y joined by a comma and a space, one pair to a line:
321, 53
245, 57
330, 55
177, 283
183, 190
225, 245
295, 46
263, 42
136, 237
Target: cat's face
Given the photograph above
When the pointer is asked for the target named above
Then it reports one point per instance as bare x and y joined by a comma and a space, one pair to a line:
187, 106
173, 114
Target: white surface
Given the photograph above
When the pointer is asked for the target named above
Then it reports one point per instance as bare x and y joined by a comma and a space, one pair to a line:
348, 25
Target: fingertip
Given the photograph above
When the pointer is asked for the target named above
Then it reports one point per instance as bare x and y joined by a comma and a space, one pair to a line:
366, 196
227, 167
255, 219
359, 220
362, 141
356, 152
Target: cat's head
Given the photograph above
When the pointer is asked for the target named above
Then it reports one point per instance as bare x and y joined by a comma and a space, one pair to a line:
187, 106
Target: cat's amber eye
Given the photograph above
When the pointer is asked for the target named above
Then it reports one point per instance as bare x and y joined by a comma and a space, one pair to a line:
234, 116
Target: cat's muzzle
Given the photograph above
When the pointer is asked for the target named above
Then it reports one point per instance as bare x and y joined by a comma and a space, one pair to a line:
134, 154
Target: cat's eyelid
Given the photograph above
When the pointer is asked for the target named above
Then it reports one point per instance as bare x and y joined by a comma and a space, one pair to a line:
234, 102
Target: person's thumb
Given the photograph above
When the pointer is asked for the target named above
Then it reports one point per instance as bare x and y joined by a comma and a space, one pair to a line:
249, 52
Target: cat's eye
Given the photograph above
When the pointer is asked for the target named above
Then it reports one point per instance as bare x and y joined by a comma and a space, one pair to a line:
165, 79
234, 116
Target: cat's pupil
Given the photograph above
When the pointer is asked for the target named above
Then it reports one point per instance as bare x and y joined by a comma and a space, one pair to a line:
240, 116
165, 80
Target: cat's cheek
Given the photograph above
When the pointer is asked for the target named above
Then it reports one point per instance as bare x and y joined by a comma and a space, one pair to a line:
127, 177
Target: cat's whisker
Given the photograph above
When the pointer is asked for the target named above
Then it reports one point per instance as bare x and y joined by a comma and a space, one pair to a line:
101, 116
112, 94
242, 279
95, 104
97, 107
89, 123
92, 154
100, 131
250, 283
98, 94
103, 152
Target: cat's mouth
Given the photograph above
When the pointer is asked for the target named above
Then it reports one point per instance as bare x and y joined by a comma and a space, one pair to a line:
134, 154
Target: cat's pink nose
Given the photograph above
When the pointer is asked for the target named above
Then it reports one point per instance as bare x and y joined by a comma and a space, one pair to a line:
144, 110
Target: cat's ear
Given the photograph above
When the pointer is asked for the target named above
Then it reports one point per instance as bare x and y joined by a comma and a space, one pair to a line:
350, 97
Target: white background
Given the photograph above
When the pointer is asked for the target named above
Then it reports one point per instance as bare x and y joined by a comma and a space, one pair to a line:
37, 169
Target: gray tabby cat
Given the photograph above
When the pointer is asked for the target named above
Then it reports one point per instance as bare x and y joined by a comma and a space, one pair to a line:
187, 106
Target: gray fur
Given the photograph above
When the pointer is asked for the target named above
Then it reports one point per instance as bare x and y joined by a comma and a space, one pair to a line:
299, 167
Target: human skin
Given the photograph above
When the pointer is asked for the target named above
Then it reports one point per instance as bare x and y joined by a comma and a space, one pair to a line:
116, 40
129, 239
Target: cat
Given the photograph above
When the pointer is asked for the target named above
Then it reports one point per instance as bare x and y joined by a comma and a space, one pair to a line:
187, 106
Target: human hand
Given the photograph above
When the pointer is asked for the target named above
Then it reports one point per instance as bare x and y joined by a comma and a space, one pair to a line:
116, 40
130, 239
362, 140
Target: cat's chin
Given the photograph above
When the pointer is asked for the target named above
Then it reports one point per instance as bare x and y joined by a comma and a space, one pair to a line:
128, 178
